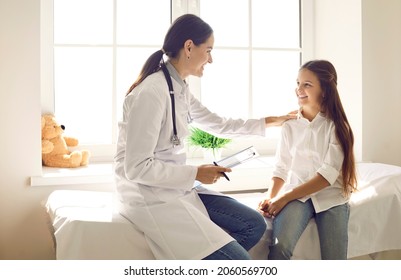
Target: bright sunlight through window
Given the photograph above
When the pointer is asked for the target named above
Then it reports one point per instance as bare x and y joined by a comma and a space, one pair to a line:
99, 46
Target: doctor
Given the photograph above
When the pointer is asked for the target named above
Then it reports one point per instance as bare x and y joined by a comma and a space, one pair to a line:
154, 184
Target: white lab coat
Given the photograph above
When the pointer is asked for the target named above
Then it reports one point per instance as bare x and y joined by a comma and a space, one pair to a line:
154, 184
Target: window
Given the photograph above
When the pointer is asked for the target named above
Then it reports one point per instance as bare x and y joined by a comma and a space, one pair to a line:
99, 46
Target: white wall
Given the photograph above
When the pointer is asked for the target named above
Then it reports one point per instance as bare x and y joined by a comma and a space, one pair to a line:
338, 39
381, 64
20, 137
361, 40
23, 226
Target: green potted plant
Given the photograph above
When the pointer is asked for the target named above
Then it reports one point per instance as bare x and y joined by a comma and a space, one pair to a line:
208, 142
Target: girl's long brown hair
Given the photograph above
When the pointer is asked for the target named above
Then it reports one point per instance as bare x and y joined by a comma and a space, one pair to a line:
331, 106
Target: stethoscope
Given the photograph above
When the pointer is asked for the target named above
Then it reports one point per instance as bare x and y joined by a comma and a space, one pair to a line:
174, 139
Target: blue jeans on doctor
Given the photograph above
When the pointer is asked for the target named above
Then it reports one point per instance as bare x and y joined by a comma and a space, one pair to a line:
244, 224
290, 223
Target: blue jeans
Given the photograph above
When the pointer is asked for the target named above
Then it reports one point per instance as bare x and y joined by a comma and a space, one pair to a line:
244, 224
290, 223
230, 251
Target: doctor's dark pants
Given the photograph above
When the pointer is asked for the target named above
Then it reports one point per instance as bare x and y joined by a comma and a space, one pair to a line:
243, 223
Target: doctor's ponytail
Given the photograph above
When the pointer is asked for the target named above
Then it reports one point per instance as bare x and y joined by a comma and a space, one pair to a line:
151, 65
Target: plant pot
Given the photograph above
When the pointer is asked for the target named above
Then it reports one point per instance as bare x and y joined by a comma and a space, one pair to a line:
210, 155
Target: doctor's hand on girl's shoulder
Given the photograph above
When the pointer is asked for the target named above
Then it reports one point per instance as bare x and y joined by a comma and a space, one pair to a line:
279, 120
209, 174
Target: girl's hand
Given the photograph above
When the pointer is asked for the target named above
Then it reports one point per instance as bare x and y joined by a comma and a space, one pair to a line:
272, 207
263, 207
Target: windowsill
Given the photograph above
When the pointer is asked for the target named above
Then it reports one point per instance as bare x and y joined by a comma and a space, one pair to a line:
251, 175
94, 173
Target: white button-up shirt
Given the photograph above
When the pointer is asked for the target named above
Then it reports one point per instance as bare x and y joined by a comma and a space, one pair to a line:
307, 148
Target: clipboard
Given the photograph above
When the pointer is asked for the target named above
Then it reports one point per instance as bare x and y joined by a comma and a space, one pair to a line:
239, 157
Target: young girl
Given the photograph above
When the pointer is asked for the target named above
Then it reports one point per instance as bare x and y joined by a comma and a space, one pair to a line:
317, 150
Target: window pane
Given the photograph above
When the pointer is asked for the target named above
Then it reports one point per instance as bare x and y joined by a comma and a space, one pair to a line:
83, 21
83, 83
249, 77
129, 64
274, 82
275, 24
142, 22
224, 86
229, 21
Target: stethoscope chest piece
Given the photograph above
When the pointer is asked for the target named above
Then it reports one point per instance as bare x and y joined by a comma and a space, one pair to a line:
175, 140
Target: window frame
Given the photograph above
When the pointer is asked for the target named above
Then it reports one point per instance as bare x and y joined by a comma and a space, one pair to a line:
105, 153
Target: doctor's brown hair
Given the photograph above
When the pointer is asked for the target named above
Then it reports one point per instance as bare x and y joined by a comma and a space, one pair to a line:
185, 27
332, 108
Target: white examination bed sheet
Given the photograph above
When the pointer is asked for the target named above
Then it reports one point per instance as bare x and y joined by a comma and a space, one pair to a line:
87, 226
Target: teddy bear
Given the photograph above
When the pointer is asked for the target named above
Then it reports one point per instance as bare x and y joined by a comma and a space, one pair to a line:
55, 152
47, 146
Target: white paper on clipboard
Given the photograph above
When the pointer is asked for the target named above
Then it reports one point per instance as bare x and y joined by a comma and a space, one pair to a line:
238, 158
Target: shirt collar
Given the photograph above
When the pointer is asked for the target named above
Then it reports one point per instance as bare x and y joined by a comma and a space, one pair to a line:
174, 73
319, 116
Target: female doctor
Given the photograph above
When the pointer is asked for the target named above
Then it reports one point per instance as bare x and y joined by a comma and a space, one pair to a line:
155, 186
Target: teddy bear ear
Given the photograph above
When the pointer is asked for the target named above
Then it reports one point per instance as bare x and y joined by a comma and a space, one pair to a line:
48, 117
43, 122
